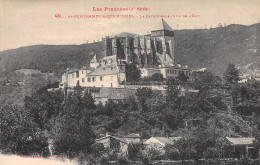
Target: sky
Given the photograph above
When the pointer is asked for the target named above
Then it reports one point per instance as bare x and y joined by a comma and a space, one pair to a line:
33, 22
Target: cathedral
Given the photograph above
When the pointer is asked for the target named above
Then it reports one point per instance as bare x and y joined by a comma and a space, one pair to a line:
153, 53
153, 50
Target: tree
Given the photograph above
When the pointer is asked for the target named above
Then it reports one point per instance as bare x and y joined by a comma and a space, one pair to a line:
133, 74
171, 152
71, 136
71, 130
186, 148
204, 81
173, 96
43, 106
172, 115
97, 149
231, 75
19, 134
157, 77
142, 95
110, 107
182, 77
135, 151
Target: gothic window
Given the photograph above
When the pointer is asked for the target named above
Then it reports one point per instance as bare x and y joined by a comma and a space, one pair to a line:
93, 79
167, 48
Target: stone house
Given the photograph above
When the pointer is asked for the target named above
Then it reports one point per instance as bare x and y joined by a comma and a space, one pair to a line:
158, 143
109, 73
133, 138
114, 143
238, 147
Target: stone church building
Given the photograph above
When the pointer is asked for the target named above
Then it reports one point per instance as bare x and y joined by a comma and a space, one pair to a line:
153, 53
153, 50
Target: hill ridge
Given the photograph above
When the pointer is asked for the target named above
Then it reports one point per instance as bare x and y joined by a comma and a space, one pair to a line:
198, 48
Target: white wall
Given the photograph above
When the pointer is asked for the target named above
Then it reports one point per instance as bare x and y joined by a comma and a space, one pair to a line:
105, 81
111, 80
173, 72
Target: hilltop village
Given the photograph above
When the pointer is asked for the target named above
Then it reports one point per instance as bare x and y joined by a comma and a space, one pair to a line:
152, 54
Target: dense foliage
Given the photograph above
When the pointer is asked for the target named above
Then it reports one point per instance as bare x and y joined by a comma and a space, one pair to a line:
132, 73
70, 119
19, 134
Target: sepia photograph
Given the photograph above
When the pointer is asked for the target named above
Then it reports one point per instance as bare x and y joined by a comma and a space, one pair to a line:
129, 82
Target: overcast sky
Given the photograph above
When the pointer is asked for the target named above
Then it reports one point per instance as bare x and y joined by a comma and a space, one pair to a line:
33, 22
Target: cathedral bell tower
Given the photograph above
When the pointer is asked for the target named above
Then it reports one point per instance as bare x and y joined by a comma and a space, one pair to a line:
166, 34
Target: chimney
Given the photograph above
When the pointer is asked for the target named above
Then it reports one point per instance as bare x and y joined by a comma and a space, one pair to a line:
106, 133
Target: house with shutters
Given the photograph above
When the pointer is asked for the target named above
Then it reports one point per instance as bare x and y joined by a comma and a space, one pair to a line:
108, 73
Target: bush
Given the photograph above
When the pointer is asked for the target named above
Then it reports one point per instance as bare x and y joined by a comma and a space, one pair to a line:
133, 74
157, 77
154, 154
97, 149
71, 136
146, 161
135, 151
112, 155
122, 161
104, 161
19, 134
171, 152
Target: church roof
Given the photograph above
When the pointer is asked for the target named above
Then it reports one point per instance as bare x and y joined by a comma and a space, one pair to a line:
163, 26
94, 59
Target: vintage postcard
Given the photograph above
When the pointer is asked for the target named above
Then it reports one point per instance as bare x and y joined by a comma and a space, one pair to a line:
127, 82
